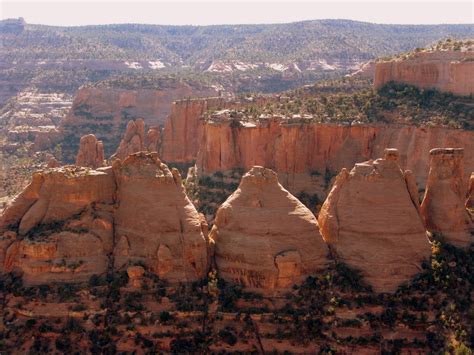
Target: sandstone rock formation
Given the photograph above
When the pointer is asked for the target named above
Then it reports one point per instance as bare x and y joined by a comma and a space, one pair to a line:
183, 129
107, 109
371, 222
302, 154
443, 207
155, 222
70, 219
64, 219
133, 140
91, 152
153, 139
451, 71
265, 239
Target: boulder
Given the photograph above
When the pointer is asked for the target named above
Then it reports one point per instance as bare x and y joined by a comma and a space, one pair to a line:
155, 222
265, 239
91, 152
443, 207
371, 221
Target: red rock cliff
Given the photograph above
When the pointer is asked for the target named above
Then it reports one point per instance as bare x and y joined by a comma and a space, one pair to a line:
106, 111
183, 129
302, 153
451, 71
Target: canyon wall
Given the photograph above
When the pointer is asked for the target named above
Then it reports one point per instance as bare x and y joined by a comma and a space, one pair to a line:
183, 129
451, 71
306, 156
105, 112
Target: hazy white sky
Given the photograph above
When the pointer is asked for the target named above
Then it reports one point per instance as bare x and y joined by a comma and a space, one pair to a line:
86, 12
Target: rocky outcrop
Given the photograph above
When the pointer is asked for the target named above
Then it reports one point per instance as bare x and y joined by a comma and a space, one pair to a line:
65, 226
265, 239
69, 220
371, 222
133, 140
305, 156
153, 139
105, 111
155, 222
183, 129
91, 152
443, 207
33, 115
451, 71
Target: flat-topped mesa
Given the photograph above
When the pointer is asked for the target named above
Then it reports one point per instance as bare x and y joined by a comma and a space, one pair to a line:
451, 71
133, 140
91, 152
155, 222
265, 239
64, 218
443, 207
371, 221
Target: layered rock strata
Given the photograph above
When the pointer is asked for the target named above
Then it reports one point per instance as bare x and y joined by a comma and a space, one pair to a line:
91, 152
305, 156
444, 204
183, 129
105, 111
451, 71
371, 221
266, 239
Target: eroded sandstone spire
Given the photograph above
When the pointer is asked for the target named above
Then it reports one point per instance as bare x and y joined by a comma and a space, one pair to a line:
91, 152
371, 221
443, 207
133, 140
265, 238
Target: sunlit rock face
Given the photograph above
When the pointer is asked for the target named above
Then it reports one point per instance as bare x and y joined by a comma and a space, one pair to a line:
64, 219
371, 221
451, 71
91, 152
155, 222
444, 205
265, 239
